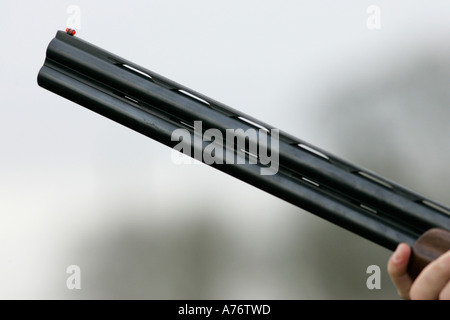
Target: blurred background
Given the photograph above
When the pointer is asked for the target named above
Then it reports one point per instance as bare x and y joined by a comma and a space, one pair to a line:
365, 80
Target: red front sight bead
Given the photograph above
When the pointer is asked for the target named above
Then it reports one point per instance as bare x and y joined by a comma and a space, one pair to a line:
70, 31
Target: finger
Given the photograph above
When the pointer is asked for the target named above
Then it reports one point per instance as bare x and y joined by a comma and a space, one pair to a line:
445, 293
397, 269
433, 279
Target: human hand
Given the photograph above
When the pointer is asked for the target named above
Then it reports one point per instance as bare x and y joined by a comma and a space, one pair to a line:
432, 283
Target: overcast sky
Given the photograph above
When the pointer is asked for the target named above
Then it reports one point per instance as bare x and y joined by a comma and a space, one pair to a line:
67, 174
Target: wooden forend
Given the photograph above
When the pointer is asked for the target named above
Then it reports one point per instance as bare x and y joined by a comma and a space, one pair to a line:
427, 248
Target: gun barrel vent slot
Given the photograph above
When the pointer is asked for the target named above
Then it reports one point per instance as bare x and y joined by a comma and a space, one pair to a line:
435, 206
257, 125
368, 208
142, 73
250, 154
374, 179
131, 99
193, 96
314, 151
310, 182
187, 125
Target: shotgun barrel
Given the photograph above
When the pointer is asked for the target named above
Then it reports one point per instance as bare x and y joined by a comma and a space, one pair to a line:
347, 195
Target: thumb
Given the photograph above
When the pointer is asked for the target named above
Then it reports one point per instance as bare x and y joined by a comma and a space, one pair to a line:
397, 269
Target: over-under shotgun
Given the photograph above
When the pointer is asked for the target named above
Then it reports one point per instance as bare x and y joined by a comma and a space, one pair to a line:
347, 195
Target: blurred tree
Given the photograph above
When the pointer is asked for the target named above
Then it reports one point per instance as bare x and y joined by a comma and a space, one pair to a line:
395, 124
